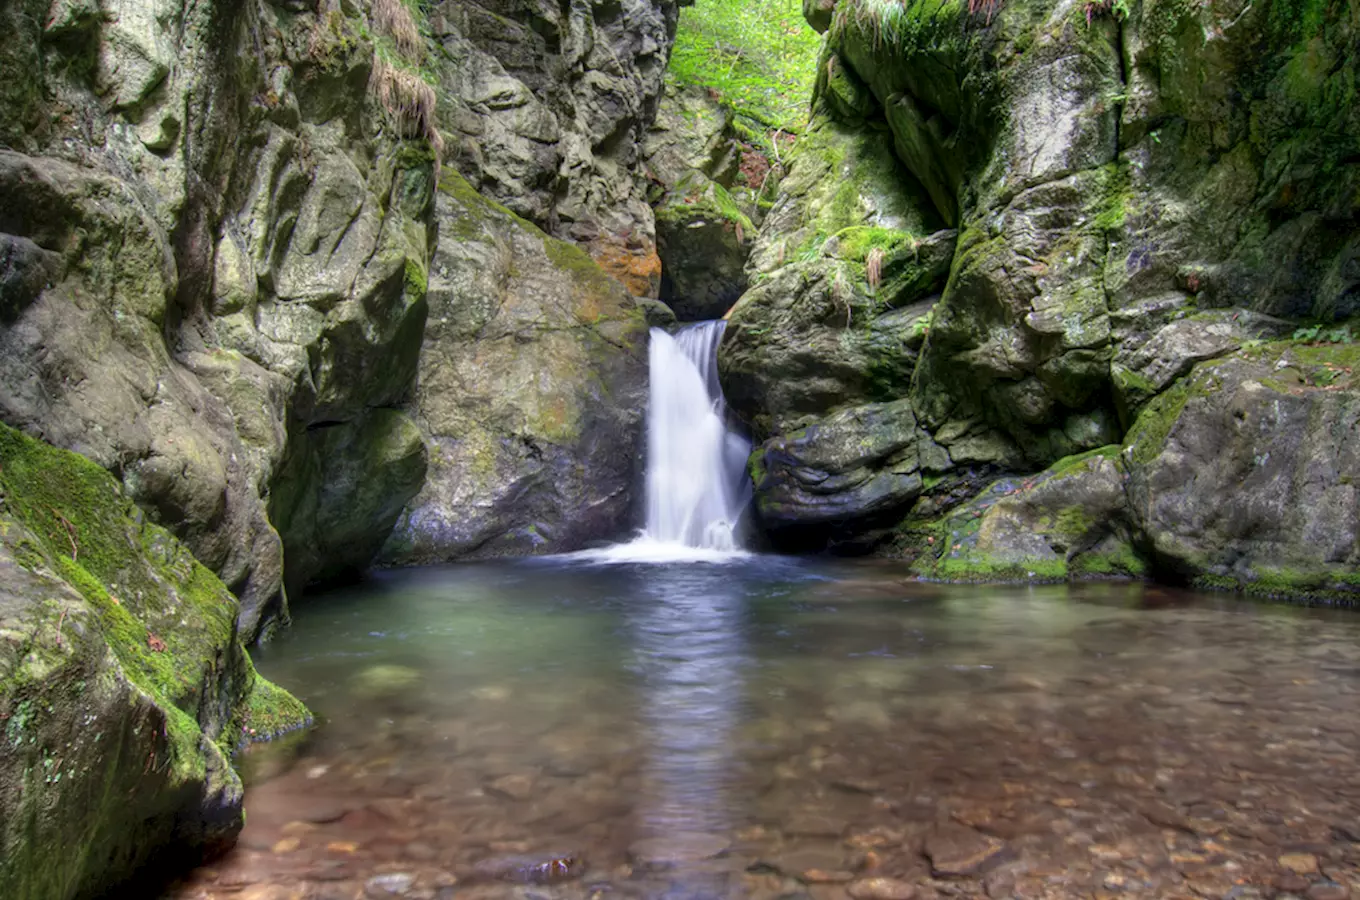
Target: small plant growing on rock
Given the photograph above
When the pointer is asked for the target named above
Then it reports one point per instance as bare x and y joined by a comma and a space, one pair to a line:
394, 19
873, 265
407, 101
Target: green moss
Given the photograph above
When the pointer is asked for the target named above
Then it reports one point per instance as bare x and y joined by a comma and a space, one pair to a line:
1148, 435
477, 210
271, 712
572, 260
981, 569
22, 101
1121, 563
1068, 464
416, 282
758, 56
1325, 586
1117, 200
855, 243
158, 608
898, 27
715, 201
1072, 522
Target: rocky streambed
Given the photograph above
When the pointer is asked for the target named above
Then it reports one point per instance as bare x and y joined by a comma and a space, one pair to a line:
771, 729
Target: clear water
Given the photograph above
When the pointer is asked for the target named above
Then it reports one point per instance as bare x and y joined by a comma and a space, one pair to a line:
779, 728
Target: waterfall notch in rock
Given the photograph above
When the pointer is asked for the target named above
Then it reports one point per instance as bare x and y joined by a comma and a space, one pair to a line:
696, 466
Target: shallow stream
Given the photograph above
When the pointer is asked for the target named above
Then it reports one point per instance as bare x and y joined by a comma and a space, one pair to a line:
801, 729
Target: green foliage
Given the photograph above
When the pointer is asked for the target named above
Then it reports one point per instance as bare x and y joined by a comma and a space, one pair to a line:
1322, 334
900, 26
759, 56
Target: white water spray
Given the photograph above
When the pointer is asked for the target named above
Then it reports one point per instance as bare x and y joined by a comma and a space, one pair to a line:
696, 467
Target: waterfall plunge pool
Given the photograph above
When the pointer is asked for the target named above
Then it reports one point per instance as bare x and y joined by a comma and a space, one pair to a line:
789, 728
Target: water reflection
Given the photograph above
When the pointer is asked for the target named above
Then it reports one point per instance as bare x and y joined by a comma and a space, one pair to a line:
688, 642
812, 723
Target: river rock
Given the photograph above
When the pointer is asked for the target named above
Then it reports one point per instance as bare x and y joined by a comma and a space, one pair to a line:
957, 850
385, 681
881, 889
1069, 521
677, 848
393, 884
858, 467
530, 393
111, 637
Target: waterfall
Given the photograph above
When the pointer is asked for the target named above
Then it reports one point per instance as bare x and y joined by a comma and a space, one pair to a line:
696, 466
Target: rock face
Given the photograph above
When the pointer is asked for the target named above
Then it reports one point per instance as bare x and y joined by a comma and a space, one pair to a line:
216, 228
123, 684
531, 388
1232, 478
1111, 197
705, 206
548, 105
1242, 474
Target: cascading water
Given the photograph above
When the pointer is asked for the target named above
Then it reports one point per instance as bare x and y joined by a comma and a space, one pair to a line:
696, 466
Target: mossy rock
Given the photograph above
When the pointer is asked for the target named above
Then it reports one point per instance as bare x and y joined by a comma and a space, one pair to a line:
1069, 521
1239, 477
123, 685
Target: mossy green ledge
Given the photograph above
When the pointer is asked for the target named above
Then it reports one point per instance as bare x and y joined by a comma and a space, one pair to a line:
124, 686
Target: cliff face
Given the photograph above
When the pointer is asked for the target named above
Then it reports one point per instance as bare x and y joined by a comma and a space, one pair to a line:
217, 227
1075, 204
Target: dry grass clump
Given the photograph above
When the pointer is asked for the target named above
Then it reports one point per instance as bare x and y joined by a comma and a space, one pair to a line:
408, 103
874, 267
394, 19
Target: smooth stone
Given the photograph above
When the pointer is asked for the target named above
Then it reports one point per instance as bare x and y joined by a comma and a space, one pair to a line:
512, 787
956, 850
826, 876
809, 824
529, 869
681, 847
1299, 863
881, 889
393, 884
269, 892
420, 852
377, 682
1328, 890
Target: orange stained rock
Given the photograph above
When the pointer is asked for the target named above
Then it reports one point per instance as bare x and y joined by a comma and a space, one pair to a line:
639, 270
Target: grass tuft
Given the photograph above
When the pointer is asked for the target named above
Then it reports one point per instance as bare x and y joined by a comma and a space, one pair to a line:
408, 101
393, 19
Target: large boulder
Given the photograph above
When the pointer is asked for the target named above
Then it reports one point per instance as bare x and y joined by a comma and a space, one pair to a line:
1069, 521
530, 393
704, 201
859, 467
1241, 475
124, 687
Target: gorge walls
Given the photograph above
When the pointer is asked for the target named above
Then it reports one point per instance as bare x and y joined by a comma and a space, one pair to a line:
246, 268
1097, 200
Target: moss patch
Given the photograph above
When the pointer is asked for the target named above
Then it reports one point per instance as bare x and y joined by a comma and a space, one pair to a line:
164, 615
